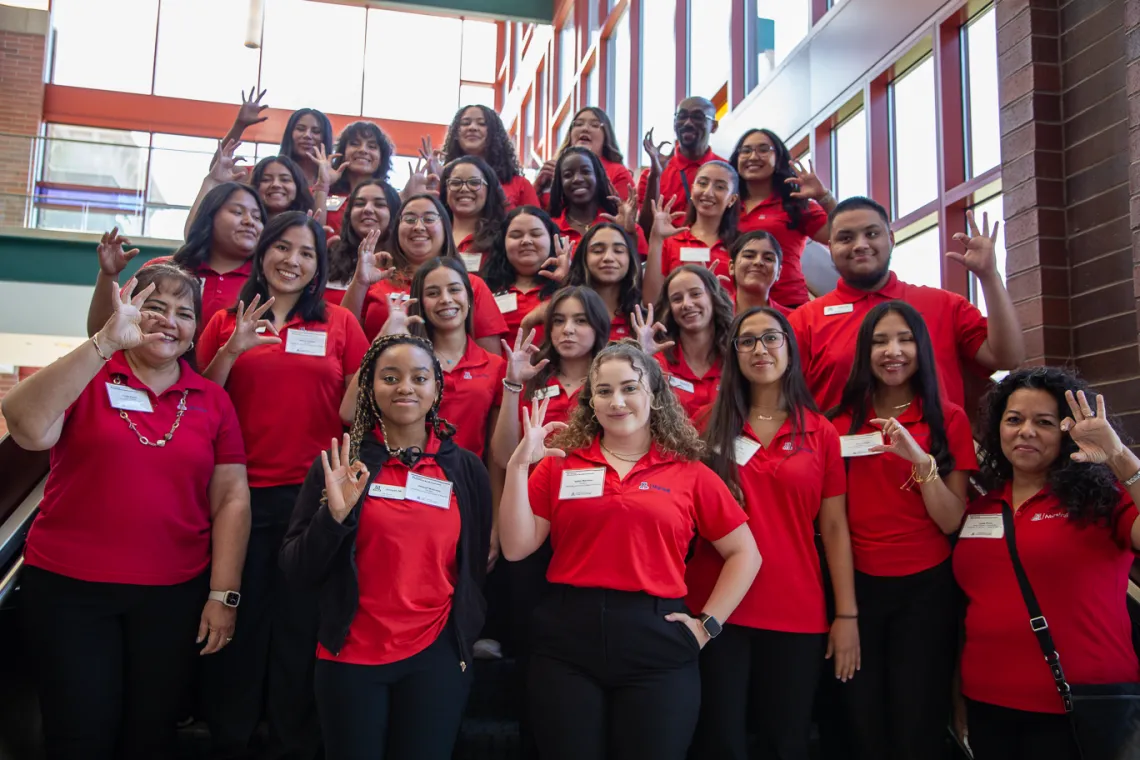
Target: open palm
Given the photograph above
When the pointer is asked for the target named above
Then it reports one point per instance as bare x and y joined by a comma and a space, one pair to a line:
344, 481
1094, 435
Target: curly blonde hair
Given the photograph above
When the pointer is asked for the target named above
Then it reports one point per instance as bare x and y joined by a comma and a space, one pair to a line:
669, 426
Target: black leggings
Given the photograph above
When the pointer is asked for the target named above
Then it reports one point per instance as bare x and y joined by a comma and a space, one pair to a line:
758, 679
1001, 733
112, 660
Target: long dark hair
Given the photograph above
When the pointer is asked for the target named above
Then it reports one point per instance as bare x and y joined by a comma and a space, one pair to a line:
630, 284
729, 220
500, 151
558, 200
494, 209
179, 282
195, 252
288, 148
734, 399
498, 273
303, 200
427, 329
596, 315
858, 394
311, 305
362, 129
343, 253
610, 149
399, 258
1089, 492
781, 171
722, 309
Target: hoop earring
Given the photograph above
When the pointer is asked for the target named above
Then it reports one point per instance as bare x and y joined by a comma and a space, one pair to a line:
191, 346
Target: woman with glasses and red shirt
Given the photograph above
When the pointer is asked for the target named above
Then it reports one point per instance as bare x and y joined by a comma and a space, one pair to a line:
474, 199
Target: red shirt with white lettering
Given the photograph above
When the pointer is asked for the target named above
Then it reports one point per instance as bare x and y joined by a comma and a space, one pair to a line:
117, 511
693, 392
219, 291
1080, 578
288, 402
892, 534
635, 534
784, 485
687, 248
769, 215
487, 319
671, 183
470, 391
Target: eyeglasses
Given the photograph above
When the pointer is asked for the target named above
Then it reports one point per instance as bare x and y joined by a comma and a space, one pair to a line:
759, 150
747, 343
697, 116
411, 219
471, 183
593, 124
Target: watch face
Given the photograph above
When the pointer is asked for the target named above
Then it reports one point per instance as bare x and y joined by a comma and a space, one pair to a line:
232, 599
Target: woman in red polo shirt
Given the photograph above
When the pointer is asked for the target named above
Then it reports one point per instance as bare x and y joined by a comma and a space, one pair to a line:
147, 490
783, 458
605, 263
373, 205
755, 267
306, 131
909, 455
613, 672
785, 199
398, 559
474, 200
1069, 485
708, 234
363, 152
478, 131
580, 199
523, 268
287, 383
592, 129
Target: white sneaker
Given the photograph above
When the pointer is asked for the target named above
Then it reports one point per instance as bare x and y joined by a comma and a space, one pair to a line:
487, 649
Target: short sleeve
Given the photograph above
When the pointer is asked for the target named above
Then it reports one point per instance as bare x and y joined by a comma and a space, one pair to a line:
1123, 520
799, 322
718, 514
527, 195
538, 488
489, 320
210, 341
642, 184
374, 311
834, 471
622, 182
229, 448
813, 220
642, 243
960, 438
971, 327
499, 371
355, 344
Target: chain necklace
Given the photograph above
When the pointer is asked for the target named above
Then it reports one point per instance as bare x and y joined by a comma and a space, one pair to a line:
452, 361
619, 456
166, 438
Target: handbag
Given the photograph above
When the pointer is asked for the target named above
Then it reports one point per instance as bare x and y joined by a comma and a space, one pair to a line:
1105, 718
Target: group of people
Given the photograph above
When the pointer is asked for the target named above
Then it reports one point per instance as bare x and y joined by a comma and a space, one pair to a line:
602, 420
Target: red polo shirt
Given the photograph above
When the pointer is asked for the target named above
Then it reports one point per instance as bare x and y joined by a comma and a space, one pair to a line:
219, 291
335, 217
116, 511
620, 179
635, 536
524, 303
892, 534
826, 329
686, 248
406, 569
470, 391
671, 183
519, 192
1080, 577
619, 327
784, 485
288, 403
693, 392
334, 293
488, 321
574, 236
769, 215
561, 402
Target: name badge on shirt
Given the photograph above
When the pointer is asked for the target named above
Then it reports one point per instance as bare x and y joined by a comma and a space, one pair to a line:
430, 491
549, 391
744, 449
385, 491
684, 385
700, 255
983, 526
839, 308
860, 445
582, 484
333, 202
472, 261
306, 342
507, 302
128, 399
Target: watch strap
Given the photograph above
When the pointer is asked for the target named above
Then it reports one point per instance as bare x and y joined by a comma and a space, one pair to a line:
228, 598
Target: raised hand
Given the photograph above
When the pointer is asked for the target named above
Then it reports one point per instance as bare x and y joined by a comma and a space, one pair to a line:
226, 168
647, 330
979, 256
722, 278
124, 330
557, 268
372, 267
901, 443
431, 157
421, 180
344, 482
545, 177
334, 173
657, 156
519, 367
251, 108
1094, 435
249, 321
532, 446
325, 171
663, 216
112, 258
811, 186
398, 320
626, 217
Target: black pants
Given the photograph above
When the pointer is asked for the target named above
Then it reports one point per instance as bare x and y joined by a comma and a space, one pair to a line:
1000, 733
267, 670
528, 589
899, 702
763, 680
610, 677
406, 710
111, 661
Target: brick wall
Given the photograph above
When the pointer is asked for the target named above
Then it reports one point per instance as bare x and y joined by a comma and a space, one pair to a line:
22, 45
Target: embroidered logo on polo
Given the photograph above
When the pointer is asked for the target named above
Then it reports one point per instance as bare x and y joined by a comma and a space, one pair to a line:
466, 375
1048, 516
643, 487
787, 445
647, 486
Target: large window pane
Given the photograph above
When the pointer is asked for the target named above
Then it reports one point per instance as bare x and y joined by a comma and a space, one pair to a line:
915, 145
982, 104
431, 94
658, 64
709, 22
851, 157
479, 41
91, 157
781, 26
106, 45
219, 75
592, 91
619, 69
992, 208
567, 59
918, 260
294, 70
477, 95
177, 166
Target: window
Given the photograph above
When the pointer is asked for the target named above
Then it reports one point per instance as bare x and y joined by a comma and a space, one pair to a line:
658, 62
102, 48
914, 138
219, 73
567, 58
480, 39
477, 95
918, 259
177, 166
982, 105
430, 90
709, 25
992, 207
781, 25
107, 158
593, 97
619, 90
850, 153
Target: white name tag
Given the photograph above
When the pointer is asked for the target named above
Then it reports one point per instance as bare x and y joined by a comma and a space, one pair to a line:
700, 255
684, 385
333, 202
128, 399
472, 261
839, 308
549, 391
860, 445
430, 491
582, 484
385, 491
305, 342
507, 302
744, 449
983, 526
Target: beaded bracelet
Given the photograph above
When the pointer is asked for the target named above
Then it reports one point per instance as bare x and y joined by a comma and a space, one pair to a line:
512, 387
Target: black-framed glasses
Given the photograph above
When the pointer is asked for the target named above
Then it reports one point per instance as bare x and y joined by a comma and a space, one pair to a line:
746, 344
699, 117
411, 219
471, 183
760, 150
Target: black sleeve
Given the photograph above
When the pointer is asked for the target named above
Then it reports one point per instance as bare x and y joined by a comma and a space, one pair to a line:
483, 509
314, 538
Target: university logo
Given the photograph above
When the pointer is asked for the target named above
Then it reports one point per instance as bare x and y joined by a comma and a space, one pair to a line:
787, 445
466, 375
643, 487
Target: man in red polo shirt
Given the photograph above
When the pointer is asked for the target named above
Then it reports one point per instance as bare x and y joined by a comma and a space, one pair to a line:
693, 123
861, 246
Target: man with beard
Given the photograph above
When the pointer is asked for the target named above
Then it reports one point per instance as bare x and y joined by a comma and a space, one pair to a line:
861, 245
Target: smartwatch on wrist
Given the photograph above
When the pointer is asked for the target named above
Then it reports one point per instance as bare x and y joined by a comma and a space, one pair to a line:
711, 625
228, 598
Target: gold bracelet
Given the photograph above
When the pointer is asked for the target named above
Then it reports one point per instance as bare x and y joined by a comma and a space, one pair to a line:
918, 481
98, 350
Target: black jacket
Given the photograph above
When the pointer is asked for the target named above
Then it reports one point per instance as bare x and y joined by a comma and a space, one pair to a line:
320, 553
